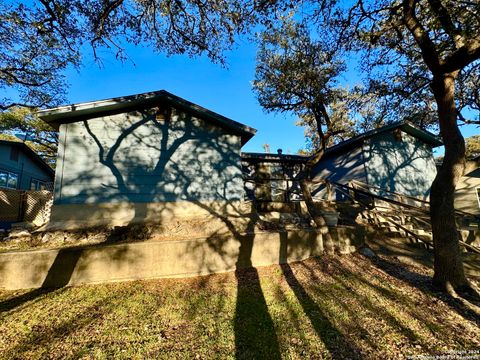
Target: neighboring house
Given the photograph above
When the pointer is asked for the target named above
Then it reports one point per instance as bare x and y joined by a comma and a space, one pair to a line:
396, 157
21, 168
467, 192
144, 157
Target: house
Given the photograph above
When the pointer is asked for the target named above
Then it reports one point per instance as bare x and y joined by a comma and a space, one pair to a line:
397, 157
22, 169
467, 192
144, 157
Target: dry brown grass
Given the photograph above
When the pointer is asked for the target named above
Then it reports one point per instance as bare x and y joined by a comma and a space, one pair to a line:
329, 307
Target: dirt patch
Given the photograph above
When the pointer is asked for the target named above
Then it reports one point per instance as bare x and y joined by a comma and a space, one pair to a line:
24, 238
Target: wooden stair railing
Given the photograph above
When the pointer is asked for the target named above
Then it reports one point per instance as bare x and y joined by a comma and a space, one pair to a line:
348, 190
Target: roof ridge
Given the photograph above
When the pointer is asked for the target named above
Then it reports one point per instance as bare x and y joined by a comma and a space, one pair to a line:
75, 112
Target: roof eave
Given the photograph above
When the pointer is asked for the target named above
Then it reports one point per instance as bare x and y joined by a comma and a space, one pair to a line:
74, 112
32, 154
267, 157
426, 136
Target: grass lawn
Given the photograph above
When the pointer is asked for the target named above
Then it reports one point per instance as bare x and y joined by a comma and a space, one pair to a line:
342, 307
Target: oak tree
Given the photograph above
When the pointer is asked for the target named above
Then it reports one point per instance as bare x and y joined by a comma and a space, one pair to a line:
39, 40
298, 74
472, 145
22, 124
431, 48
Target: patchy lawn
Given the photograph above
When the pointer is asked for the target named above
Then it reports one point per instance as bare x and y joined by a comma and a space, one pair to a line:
344, 307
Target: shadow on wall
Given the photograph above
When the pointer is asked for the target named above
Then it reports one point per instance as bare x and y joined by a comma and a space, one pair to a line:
400, 163
339, 168
58, 276
149, 156
394, 161
61, 266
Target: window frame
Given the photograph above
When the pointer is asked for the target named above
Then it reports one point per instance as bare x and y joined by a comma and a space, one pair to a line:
9, 174
38, 184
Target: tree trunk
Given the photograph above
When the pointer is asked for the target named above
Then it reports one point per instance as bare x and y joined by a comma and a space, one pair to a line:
313, 211
307, 195
448, 266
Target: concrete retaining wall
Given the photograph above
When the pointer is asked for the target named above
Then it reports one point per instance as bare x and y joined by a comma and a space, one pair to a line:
156, 259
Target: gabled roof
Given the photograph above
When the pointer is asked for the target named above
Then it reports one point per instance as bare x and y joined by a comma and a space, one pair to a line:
353, 142
407, 127
78, 112
30, 153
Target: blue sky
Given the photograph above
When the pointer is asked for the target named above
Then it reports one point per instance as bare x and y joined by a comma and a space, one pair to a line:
226, 91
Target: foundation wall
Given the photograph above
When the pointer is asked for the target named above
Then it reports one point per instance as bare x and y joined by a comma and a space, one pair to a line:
74, 216
156, 259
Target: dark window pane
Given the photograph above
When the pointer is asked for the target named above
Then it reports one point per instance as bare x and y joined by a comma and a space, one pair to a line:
14, 153
34, 185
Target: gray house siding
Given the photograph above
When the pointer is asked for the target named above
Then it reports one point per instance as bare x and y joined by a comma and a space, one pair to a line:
134, 157
467, 192
391, 160
341, 168
399, 163
25, 167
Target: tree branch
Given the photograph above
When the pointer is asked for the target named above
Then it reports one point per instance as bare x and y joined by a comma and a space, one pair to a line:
462, 57
447, 23
427, 47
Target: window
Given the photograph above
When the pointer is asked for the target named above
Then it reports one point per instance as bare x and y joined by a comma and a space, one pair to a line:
8, 179
14, 151
3, 179
37, 185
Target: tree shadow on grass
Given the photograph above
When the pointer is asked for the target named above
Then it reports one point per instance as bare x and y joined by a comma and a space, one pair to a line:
255, 335
42, 339
17, 301
361, 308
424, 283
58, 276
338, 346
